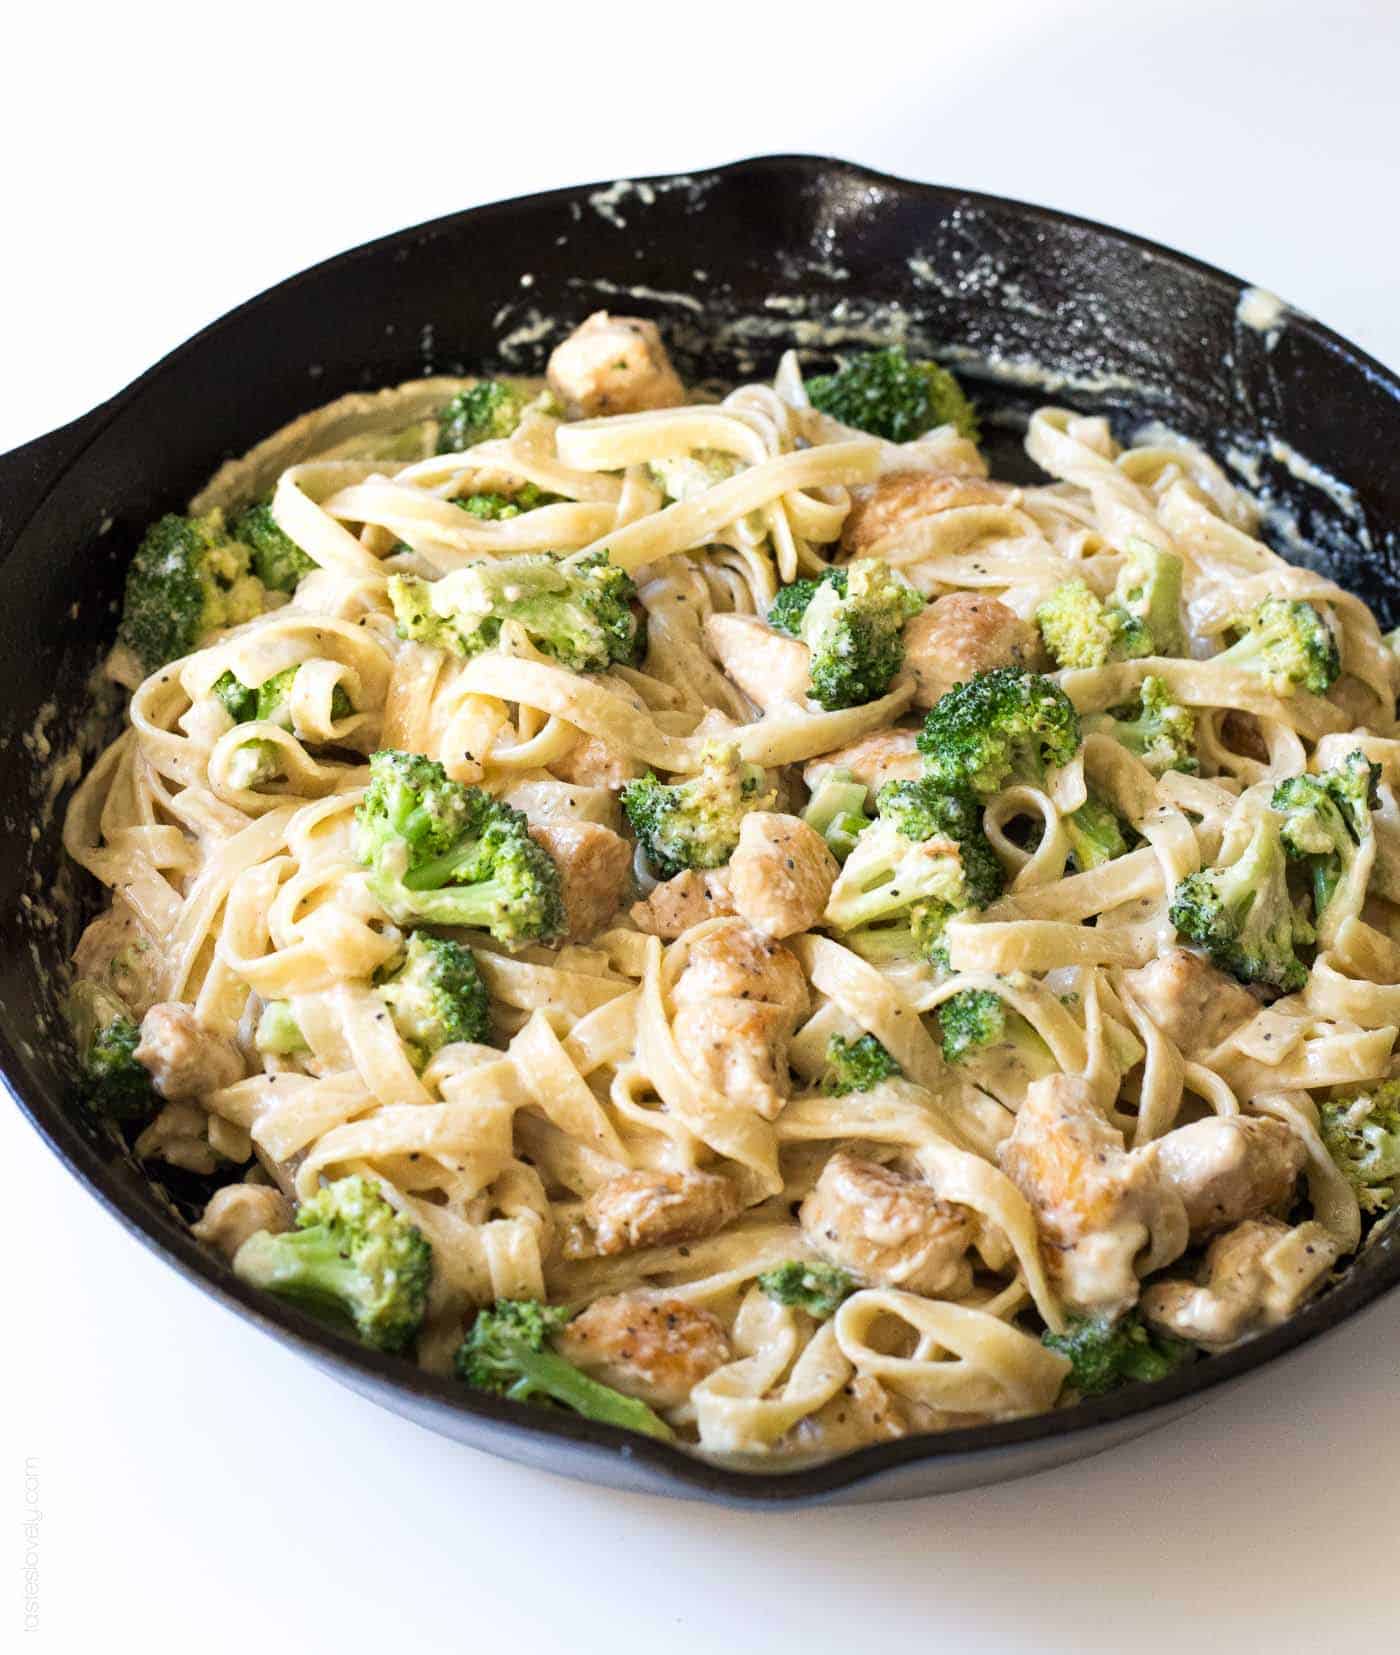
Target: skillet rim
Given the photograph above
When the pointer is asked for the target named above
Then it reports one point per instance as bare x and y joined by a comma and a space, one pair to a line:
496, 1422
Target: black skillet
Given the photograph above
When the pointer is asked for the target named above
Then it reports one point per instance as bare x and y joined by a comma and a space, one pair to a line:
735, 264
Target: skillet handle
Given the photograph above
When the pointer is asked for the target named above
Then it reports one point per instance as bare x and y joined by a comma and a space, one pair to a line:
28, 473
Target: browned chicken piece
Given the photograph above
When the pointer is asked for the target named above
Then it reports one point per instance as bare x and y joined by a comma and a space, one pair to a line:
613, 365
739, 1048
888, 1230
1098, 1206
179, 1136
1255, 1276
689, 899
239, 1211
885, 756
960, 635
117, 953
185, 1060
735, 962
594, 865
781, 873
1229, 1168
1191, 1002
768, 666
862, 1411
651, 1209
657, 1350
882, 511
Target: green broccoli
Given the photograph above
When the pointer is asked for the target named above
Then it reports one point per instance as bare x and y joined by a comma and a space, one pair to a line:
1000, 728
852, 624
278, 562
883, 392
578, 610
1104, 1354
351, 1257
836, 810
1154, 729
500, 508
857, 1065
819, 1289
106, 1037
1081, 630
924, 860
508, 1353
1286, 645
279, 1032
270, 702
1095, 833
1362, 1133
1326, 819
444, 854
694, 822
187, 578
687, 476
977, 1020
1243, 916
436, 996
490, 408
1148, 592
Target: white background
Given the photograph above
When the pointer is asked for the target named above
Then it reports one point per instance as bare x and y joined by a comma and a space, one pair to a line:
200, 1487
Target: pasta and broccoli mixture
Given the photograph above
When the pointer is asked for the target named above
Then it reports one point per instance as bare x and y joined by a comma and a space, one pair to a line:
717, 915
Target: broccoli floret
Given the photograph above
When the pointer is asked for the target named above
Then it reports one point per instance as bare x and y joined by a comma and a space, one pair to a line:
1154, 729
352, 1256
851, 620
883, 392
577, 610
106, 1037
978, 1019
925, 859
837, 811
239, 701
500, 508
686, 476
270, 702
186, 579
1243, 916
490, 408
1000, 728
1286, 645
819, 1289
1095, 833
1104, 1355
508, 1353
857, 1065
1362, 1133
436, 996
445, 854
278, 562
1326, 818
279, 1032
1080, 630
1148, 592
694, 823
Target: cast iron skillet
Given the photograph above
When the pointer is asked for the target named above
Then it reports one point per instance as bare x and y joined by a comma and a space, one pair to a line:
735, 264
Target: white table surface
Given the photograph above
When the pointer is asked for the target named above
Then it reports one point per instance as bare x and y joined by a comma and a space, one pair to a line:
200, 1487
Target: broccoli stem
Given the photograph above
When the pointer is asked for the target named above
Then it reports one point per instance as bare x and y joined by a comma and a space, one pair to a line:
548, 1372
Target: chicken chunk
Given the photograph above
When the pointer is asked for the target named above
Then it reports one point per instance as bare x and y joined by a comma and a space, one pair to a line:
117, 953
781, 873
1255, 1277
885, 756
594, 867
888, 1230
960, 635
861, 1412
613, 365
1191, 1002
883, 512
650, 1209
1230, 1168
179, 1136
1103, 1212
238, 1211
740, 1049
657, 1350
688, 899
735, 962
185, 1060
768, 666
593, 762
